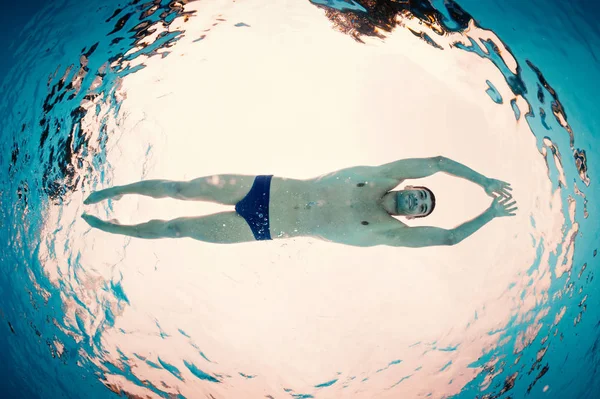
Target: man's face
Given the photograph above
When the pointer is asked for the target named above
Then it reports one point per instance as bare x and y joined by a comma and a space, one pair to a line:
413, 202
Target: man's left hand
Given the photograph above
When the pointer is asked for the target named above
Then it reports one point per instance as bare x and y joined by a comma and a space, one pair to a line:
497, 188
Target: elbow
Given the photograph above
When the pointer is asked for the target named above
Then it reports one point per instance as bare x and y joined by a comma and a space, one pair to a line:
438, 162
452, 238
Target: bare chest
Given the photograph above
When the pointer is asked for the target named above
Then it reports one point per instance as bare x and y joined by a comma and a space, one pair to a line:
344, 209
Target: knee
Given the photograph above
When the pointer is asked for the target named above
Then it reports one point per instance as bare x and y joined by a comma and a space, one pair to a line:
174, 188
173, 229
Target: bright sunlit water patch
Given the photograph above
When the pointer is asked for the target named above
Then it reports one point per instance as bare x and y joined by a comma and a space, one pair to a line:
111, 93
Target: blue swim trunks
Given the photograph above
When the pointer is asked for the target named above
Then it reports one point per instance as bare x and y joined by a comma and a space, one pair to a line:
254, 207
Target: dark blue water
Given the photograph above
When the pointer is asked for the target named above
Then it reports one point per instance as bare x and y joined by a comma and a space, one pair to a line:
47, 154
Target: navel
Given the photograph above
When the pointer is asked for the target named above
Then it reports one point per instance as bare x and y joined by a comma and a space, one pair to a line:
364, 223
360, 185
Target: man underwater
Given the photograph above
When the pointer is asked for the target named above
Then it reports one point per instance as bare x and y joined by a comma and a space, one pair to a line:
353, 206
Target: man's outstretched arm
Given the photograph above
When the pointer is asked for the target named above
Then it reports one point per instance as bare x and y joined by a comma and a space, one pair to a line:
431, 236
459, 170
416, 168
412, 168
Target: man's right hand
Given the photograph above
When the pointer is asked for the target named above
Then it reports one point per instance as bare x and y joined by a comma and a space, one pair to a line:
503, 206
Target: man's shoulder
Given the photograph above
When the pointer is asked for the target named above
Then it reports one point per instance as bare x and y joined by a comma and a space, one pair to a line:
371, 174
378, 233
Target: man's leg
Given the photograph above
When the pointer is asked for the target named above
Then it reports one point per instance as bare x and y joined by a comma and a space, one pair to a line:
223, 228
223, 189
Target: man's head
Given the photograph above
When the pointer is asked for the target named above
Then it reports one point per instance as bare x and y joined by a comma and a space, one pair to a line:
415, 202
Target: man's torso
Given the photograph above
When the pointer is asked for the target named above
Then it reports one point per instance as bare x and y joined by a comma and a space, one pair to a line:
344, 206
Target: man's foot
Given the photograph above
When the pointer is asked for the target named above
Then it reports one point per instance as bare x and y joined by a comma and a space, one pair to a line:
101, 195
92, 220
111, 226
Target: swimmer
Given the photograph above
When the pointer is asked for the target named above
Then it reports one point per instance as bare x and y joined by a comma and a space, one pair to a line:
353, 206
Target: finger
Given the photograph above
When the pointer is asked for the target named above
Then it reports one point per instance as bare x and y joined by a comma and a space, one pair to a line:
507, 186
507, 193
511, 210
